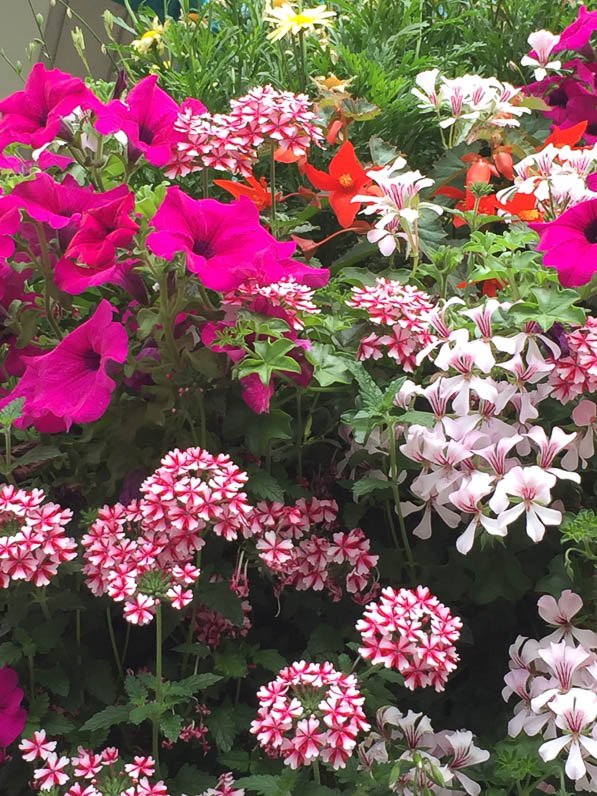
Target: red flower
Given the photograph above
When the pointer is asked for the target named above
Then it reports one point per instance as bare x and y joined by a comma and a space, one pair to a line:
257, 190
345, 180
566, 137
486, 207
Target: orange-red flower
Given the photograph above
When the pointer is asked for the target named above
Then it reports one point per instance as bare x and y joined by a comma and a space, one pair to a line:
257, 190
345, 180
522, 205
487, 204
566, 137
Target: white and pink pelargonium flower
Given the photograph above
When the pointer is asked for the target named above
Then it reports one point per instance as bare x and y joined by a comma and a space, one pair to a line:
531, 486
550, 447
584, 415
542, 43
467, 498
458, 744
575, 712
559, 614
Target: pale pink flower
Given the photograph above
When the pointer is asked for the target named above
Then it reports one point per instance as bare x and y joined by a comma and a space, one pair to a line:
560, 613
531, 485
542, 43
467, 499
575, 712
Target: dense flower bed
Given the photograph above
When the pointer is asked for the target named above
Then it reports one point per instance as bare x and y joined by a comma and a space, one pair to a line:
294, 453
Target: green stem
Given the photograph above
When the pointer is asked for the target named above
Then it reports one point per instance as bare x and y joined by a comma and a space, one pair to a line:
299, 434
78, 634
316, 775
8, 448
158, 688
272, 186
49, 310
392, 524
202, 419
205, 181
41, 34
90, 30
43, 604
31, 676
395, 492
113, 642
302, 60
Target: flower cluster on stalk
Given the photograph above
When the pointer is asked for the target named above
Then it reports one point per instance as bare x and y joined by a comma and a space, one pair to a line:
411, 631
310, 712
33, 542
144, 552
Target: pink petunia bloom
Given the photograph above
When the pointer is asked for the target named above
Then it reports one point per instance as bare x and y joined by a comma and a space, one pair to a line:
146, 118
578, 34
102, 231
71, 383
225, 244
570, 243
34, 116
12, 715
9, 224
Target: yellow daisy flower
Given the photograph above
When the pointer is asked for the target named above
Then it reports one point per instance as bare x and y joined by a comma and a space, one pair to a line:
151, 38
288, 20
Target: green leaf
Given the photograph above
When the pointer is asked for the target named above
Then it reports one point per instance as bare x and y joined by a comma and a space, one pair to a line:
9, 653
265, 429
270, 357
141, 712
106, 718
418, 418
55, 679
222, 726
41, 453
190, 779
11, 412
262, 784
552, 305
382, 153
57, 724
230, 663
220, 597
371, 394
99, 681
195, 648
171, 726
369, 484
329, 366
135, 689
196, 682
269, 659
264, 486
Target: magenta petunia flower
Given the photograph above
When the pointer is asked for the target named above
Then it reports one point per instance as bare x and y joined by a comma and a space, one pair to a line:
71, 383
12, 715
147, 119
90, 258
570, 243
9, 225
34, 116
577, 35
225, 244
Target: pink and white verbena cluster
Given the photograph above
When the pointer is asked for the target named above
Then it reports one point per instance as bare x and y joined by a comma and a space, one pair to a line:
574, 372
33, 543
555, 680
400, 737
302, 547
231, 141
400, 310
288, 295
225, 787
484, 460
556, 177
310, 712
411, 631
89, 773
143, 552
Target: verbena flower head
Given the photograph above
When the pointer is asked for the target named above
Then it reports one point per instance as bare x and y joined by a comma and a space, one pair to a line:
146, 119
411, 631
224, 243
33, 543
225, 787
143, 553
70, 384
34, 116
310, 712
12, 715
569, 243
290, 21
89, 773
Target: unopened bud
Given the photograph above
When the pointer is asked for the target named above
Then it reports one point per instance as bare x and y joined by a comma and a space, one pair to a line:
108, 21
104, 49
39, 19
480, 188
69, 13
78, 40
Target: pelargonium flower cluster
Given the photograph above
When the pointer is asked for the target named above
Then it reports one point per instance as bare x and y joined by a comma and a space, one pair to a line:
89, 773
231, 141
470, 103
557, 177
411, 631
484, 399
33, 543
310, 712
398, 205
402, 310
555, 680
142, 553
409, 739
574, 373
303, 557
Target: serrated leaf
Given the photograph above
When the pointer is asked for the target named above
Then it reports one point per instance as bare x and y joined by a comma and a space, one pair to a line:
371, 394
264, 486
57, 724
55, 679
222, 726
269, 659
106, 718
368, 484
136, 690
99, 681
220, 597
171, 726
262, 784
230, 663
9, 653
142, 712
